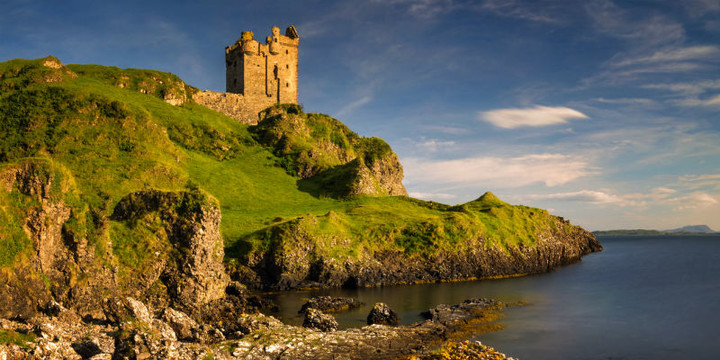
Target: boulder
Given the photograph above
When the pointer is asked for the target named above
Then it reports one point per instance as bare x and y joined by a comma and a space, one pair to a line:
330, 304
118, 310
316, 319
185, 327
383, 315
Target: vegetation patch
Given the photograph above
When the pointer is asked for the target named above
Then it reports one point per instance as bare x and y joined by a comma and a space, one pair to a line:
17, 338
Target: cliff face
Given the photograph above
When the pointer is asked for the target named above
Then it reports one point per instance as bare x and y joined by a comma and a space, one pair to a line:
55, 261
190, 269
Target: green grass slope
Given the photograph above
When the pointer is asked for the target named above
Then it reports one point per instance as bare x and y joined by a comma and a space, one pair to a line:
111, 132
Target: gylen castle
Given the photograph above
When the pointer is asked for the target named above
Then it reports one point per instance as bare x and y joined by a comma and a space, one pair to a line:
258, 75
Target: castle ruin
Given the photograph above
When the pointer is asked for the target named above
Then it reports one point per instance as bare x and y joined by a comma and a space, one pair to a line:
257, 75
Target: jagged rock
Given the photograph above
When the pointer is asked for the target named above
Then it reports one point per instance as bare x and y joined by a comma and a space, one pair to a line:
195, 276
331, 304
141, 340
14, 352
185, 327
87, 349
389, 173
445, 314
316, 319
53, 308
383, 315
247, 323
118, 310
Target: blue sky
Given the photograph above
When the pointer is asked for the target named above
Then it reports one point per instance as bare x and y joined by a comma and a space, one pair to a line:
605, 112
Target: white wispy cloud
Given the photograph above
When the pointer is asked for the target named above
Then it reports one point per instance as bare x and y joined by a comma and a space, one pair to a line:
692, 88
628, 101
589, 196
660, 196
705, 181
699, 8
498, 172
713, 101
694, 201
354, 105
673, 54
451, 130
433, 145
535, 116
422, 9
527, 10
644, 31
432, 196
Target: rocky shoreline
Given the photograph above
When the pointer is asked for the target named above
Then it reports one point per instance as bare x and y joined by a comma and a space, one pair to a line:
60, 333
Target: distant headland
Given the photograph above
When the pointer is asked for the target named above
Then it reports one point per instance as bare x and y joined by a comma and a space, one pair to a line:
694, 230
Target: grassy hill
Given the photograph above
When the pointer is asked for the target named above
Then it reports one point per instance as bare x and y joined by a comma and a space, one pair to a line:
103, 133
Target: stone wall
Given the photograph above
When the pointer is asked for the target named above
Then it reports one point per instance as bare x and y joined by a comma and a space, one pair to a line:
232, 105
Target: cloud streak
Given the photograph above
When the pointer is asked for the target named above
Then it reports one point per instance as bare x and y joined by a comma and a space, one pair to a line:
497, 172
535, 116
354, 105
673, 54
589, 196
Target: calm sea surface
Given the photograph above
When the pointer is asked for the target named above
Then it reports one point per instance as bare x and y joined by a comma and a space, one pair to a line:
641, 298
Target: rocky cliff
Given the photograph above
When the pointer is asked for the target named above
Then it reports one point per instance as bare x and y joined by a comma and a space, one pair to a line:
174, 259
303, 254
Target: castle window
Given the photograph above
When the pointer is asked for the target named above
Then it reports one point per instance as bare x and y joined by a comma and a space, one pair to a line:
287, 84
287, 66
286, 52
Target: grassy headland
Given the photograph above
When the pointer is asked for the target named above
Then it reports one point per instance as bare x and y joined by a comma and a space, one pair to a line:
103, 133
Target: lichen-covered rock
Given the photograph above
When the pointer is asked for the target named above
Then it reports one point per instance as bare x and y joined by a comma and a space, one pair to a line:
247, 323
118, 310
185, 327
142, 340
331, 304
389, 174
382, 314
316, 319
194, 275
446, 315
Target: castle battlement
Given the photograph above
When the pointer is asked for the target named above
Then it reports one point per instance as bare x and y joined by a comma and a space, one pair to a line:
258, 75
267, 73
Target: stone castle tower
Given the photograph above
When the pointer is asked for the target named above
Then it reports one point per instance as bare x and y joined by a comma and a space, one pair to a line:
257, 76
265, 74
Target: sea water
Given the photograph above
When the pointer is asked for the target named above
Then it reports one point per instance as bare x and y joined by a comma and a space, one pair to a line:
640, 298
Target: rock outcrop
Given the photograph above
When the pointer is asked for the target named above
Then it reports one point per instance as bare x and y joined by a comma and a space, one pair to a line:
316, 319
189, 269
193, 272
330, 158
331, 304
382, 314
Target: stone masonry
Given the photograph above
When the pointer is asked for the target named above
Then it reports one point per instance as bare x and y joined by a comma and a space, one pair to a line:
257, 76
